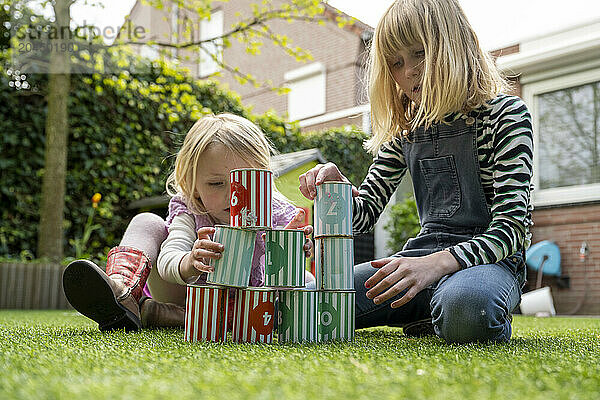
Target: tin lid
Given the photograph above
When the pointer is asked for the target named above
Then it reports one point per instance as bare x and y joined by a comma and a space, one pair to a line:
251, 169
259, 289
206, 286
302, 289
328, 236
246, 229
340, 182
338, 291
283, 230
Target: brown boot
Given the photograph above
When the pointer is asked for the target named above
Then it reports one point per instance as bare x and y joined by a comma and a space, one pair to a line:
155, 314
111, 298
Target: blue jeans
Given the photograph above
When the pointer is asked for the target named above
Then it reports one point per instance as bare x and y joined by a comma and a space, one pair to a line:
470, 305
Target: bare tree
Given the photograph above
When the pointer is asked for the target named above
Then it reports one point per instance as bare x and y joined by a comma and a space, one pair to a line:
50, 232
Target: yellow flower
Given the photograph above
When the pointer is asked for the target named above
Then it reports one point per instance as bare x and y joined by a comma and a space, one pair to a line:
96, 199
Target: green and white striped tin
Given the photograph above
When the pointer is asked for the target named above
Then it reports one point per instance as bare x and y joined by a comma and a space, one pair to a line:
334, 263
333, 209
284, 258
336, 315
297, 316
233, 268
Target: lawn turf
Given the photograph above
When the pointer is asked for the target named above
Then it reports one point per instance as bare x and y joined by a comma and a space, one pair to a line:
61, 354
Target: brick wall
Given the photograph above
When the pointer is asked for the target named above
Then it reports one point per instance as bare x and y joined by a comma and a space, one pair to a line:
568, 227
339, 50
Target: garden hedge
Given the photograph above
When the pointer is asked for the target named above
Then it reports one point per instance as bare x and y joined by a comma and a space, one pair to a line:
124, 131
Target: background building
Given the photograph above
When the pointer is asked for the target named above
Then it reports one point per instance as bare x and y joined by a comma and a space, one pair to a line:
324, 92
559, 79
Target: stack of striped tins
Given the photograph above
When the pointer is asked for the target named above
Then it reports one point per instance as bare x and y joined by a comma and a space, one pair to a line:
334, 261
303, 315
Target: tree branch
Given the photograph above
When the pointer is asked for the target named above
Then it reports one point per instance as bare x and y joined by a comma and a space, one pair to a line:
240, 27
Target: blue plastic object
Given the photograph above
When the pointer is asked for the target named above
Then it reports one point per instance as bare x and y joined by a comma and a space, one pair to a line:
535, 255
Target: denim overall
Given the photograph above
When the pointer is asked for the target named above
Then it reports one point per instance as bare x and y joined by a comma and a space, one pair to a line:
472, 304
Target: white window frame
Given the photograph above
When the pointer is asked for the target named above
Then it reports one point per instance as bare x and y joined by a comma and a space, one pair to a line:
299, 75
208, 30
563, 195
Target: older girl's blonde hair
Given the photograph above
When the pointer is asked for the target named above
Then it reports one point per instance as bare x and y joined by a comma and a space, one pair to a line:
235, 133
458, 76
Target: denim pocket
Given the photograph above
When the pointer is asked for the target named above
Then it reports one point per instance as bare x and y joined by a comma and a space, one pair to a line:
443, 188
516, 264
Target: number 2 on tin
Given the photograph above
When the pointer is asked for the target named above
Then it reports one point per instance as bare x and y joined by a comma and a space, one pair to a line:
331, 212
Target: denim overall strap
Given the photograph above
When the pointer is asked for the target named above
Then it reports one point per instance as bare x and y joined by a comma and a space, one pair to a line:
444, 167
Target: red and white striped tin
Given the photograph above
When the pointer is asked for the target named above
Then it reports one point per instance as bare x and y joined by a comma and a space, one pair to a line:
251, 198
206, 314
253, 316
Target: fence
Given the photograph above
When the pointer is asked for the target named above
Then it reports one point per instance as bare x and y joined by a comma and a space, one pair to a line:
32, 286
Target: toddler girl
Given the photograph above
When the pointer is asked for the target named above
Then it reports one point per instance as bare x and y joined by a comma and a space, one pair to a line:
200, 187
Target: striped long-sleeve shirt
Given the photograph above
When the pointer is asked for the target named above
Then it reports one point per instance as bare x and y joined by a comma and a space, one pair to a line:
505, 152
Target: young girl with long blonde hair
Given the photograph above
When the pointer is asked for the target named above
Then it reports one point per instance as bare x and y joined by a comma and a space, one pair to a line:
439, 111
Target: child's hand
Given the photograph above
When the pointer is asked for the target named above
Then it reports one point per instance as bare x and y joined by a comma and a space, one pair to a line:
297, 221
319, 174
308, 244
203, 251
410, 274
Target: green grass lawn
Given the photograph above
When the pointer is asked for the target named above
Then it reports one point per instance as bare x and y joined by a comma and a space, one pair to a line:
60, 354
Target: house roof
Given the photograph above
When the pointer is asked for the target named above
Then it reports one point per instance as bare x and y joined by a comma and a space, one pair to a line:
358, 27
284, 163
280, 164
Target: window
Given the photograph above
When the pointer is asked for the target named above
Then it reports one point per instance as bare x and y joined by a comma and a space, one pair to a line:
566, 116
307, 91
210, 28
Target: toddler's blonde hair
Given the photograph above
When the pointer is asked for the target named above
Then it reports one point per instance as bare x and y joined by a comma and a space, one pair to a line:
235, 133
458, 76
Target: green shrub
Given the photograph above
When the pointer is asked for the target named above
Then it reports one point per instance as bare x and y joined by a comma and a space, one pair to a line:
344, 147
403, 223
124, 130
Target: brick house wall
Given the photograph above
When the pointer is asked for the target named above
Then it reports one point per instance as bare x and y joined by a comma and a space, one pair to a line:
562, 56
340, 50
569, 227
